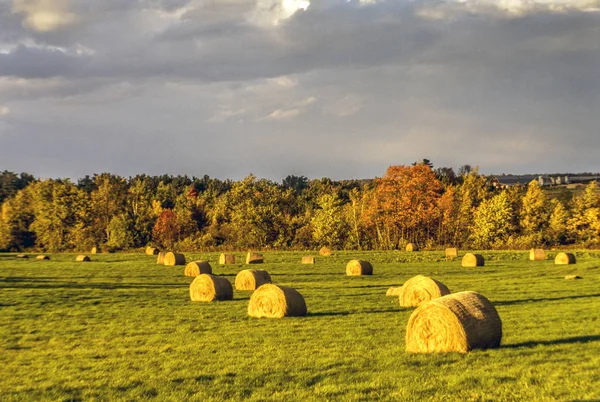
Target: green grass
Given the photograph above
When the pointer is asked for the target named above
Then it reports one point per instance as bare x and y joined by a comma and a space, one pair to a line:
123, 328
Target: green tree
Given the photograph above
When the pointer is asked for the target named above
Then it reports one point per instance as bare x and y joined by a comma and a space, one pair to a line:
534, 214
329, 227
557, 224
492, 221
584, 224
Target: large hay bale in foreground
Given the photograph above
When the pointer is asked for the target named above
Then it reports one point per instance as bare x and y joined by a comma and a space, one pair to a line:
273, 301
82, 258
420, 289
207, 288
473, 260
325, 251
565, 259
160, 259
451, 253
358, 268
458, 322
172, 259
394, 291
411, 247
227, 259
152, 251
251, 279
308, 259
42, 257
254, 258
537, 254
196, 268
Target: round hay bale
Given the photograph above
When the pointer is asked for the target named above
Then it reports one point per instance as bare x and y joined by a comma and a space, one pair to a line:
42, 257
394, 291
227, 259
172, 259
161, 258
308, 259
565, 259
254, 258
572, 277
458, 322
411, 247
420, 289
197, 268
94, 250
82, 258
537, 254
152, 251
251, 279
207, 288
451, 253
22, 256
359, 267
273, 301
325, 251
473, 260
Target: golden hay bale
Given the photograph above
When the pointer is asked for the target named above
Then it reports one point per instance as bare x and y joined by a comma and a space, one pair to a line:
251, 279
325, 251
22, 256
42, 257
273, 301
537, 254
411, 247
394, 291
420, 289
451, 253
161, 258
227, 259
254, 258
308, 259
172, 259
457, 322
572, 277
81, 258
565, 259
473, 260
207, 288
359, 267
94, 250
152, 251
197, 268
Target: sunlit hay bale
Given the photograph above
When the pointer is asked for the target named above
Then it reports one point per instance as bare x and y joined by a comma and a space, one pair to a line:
394, 291
22, 256
172, 259
473, 260
325, 252
308, 259
565, 259
94, 250
42, 257
273, 301
207, 288
160, 259
457, 322
537, 254
227, 259
152, 251
254, 258
251, 279
82, 258
196, 268
359, 267
420, 289
451, 253
411, 247
572, 277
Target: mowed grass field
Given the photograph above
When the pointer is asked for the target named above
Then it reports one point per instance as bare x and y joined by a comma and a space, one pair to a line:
123, 328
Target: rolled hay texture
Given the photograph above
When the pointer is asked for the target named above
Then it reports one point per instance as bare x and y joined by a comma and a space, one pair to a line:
251, 279
420, 289
227, 259
42, 257
22, 256
411, 247
359, 267
94, 250
274, 301
565, 259
207, 288
161, 258
81, 258
152, 251
308, 259
197, 268
172, 259
572, 277
394, 291
458, 322
325, 252
473, 260
537, 254
451, 253
254, 258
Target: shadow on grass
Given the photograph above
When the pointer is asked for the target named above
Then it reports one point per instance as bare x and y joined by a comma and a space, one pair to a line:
564, 341
106, 286
345, 313
522, 301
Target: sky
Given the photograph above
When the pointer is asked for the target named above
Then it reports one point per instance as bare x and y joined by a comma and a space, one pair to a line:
320, 88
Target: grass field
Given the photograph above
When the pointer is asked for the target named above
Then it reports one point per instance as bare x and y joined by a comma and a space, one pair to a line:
123, 328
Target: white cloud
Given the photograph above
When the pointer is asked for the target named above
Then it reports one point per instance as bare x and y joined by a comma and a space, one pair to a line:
4, 110
272, 12
282, 114
44, 15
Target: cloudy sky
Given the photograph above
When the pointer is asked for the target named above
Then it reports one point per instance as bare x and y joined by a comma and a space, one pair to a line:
332, 88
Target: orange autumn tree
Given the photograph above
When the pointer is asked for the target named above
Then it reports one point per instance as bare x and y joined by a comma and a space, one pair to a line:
406, 205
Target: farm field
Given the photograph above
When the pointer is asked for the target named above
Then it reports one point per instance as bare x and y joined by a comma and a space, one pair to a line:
123, 328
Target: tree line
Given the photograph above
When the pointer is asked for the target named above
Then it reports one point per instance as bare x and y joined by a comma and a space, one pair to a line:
418, 204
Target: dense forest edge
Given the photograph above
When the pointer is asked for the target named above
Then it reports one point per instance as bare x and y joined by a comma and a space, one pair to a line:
430, 207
